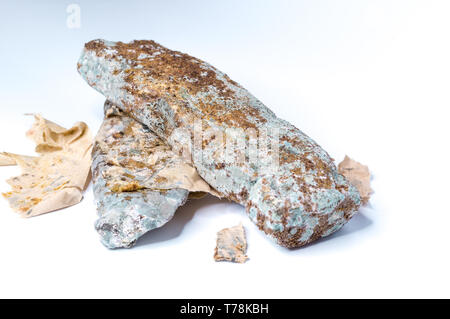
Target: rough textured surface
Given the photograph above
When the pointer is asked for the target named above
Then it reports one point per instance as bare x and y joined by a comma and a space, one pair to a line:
127, 158
304, 199
231, 245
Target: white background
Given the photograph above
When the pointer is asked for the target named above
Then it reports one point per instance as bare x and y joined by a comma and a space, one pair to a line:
369, 79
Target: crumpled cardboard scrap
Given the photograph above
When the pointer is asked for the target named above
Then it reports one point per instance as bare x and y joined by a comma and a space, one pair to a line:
57, 177
231, 245
358, 175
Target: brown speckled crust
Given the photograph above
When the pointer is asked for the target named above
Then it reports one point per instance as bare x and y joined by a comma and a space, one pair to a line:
303, 199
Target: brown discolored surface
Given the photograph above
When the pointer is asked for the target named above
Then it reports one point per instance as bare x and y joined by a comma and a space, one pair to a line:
183, 73
293, 192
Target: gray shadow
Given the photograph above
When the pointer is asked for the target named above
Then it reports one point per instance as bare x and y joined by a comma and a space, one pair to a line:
357, 223
175, 226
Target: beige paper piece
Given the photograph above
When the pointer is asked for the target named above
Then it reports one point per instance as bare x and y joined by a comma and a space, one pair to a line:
57, 177
231, 245
9, 159
358, 175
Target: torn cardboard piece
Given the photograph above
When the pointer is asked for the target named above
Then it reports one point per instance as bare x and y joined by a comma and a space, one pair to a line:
57, 177
358, 175
231, 245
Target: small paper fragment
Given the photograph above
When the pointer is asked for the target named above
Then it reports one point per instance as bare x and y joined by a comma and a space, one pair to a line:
358, 175
57, 177
231, 245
